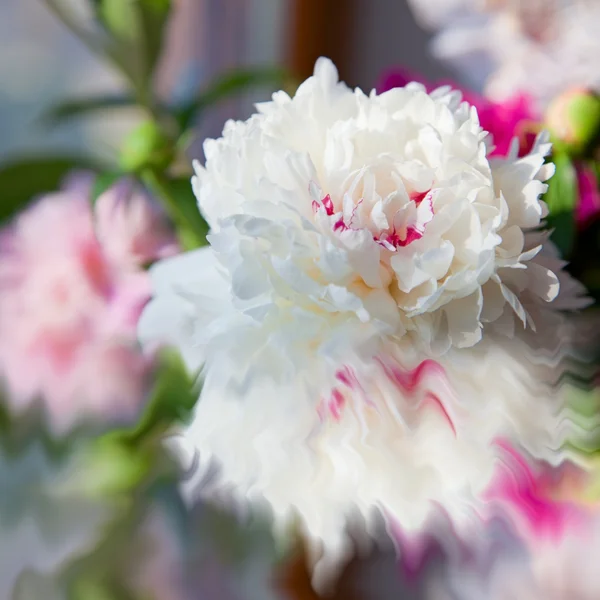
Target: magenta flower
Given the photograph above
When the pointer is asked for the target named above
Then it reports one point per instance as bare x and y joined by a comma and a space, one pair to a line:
505, 120
589, 195
509, 119
72, 288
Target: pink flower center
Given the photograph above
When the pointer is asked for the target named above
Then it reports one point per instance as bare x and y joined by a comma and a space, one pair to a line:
411, 229
408, 224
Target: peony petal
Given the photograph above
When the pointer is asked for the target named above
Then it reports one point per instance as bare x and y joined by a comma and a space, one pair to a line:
464, 326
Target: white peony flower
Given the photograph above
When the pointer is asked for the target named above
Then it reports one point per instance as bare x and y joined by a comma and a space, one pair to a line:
399, 436
360, 245
360, 217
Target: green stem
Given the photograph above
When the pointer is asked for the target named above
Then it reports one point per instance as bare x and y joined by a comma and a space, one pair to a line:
158, 185
87, 39
145, 99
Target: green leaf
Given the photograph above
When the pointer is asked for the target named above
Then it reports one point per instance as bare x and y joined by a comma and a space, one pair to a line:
561, 199
172, 399
178, 200
154, 15
112, 467
119, 17
137, 28
226, 86
23, 180
181, 189
83, 106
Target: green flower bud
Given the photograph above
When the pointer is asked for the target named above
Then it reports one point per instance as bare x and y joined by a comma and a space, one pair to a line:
574, 119
113, 468
147, 147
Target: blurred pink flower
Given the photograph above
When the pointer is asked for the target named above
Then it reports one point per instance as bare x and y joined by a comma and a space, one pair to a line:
503, 120
589, 195
70, 300
132, 231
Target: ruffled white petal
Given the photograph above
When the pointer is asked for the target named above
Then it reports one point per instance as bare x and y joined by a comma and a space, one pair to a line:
355, 239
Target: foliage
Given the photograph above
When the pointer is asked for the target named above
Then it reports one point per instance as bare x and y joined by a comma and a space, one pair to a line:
561, 199
129, 35
125, 466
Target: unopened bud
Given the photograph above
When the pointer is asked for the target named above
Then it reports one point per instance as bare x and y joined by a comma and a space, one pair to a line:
574, 119
147, 146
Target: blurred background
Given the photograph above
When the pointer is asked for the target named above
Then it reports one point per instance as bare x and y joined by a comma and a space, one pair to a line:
526, 65
41, 62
